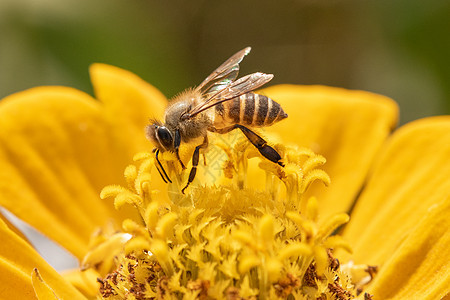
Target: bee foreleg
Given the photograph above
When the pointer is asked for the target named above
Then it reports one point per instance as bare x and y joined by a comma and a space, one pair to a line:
257, 141
176, 144
162, 168
195, 159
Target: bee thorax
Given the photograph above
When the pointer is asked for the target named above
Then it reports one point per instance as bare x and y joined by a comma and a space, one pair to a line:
177, 116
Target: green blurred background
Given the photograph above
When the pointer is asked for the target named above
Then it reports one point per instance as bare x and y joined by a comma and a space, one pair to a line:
399, 48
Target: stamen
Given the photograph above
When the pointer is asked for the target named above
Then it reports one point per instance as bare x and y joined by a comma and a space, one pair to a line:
228, 240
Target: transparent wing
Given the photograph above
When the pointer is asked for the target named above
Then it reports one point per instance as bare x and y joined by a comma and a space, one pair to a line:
223, 75
239, 87
243, 85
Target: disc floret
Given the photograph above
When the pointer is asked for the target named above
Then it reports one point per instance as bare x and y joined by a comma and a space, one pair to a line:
225, 242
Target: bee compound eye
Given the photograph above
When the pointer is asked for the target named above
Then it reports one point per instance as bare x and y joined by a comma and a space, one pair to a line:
165, 137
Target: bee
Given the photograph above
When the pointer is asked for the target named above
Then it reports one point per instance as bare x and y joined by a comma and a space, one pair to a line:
219, 104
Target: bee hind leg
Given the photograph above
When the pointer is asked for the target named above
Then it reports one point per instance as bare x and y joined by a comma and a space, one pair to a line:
257, 141
195, 159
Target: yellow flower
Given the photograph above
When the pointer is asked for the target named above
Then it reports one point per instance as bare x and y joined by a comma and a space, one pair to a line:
60, 148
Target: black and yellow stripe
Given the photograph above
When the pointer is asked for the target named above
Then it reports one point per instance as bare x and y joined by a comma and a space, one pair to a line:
250, 110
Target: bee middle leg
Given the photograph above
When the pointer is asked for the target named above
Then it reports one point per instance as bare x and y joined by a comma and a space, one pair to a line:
257, 141
176, 144
195, 159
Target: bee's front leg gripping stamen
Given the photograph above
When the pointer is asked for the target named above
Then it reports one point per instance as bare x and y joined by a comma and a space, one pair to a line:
163, 173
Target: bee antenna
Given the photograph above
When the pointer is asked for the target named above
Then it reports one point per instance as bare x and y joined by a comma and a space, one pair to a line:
155, 122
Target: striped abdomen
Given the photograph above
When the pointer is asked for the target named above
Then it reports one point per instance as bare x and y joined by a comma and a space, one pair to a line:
249, 109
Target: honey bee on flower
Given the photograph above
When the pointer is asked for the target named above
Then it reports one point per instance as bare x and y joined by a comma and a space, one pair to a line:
219, 104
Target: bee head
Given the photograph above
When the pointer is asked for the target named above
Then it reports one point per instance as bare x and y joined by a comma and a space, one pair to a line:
160, 136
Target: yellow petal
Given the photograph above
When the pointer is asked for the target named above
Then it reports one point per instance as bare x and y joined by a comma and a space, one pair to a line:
17, 262
41, 288
14, 283
129, 103
346, 127
55, 157
411, 175
420, 268
14, 228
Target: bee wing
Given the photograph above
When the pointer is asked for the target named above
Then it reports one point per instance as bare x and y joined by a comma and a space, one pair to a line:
239, 87
243, 85
223, 75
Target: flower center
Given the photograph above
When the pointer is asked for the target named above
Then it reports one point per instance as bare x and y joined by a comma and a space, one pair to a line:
223, 242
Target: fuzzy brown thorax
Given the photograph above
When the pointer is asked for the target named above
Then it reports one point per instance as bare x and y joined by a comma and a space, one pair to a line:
190, 128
